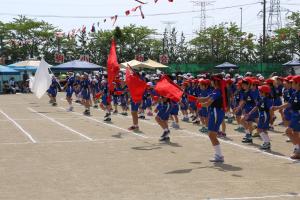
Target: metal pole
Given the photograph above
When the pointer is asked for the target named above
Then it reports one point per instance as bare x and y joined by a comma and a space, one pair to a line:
264, 27
241, 19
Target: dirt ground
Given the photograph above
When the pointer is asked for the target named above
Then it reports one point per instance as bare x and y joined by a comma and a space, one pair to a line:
47, 153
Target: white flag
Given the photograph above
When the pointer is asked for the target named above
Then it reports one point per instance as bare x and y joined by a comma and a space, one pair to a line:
42, 80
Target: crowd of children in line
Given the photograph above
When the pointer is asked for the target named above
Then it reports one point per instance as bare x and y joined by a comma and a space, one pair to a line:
207, 100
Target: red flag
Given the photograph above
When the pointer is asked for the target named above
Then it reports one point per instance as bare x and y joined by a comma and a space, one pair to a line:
112, 65
135, 85
167, 88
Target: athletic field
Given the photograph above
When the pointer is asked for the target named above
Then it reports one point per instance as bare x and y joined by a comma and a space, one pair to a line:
47, 153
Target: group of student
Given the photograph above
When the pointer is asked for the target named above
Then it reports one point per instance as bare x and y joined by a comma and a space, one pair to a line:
207, 101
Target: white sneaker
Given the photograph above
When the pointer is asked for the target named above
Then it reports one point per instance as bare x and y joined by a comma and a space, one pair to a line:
217, 159
70, 109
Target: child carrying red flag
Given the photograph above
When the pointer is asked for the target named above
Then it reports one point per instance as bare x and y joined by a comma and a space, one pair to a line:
136, 87
170, 92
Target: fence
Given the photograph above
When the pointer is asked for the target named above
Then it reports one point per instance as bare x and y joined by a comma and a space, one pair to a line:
265, 69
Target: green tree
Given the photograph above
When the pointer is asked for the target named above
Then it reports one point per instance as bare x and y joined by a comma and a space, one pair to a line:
224, 42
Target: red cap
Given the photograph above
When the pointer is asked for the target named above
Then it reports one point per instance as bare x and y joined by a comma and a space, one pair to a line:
248, 80
216, 78
155, 98
239, 83
269, 81
296, 79
201, 81
229, 81
288, 78
118, 93
255, 82
185, 83
264, 88
207, 81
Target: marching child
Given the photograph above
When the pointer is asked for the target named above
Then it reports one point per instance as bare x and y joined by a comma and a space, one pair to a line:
263, 106
163, 111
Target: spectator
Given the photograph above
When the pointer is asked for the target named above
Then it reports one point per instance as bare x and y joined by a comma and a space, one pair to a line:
12, 85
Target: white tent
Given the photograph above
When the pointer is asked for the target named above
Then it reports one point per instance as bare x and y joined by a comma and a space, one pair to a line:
149, 64
154, 65
134, 64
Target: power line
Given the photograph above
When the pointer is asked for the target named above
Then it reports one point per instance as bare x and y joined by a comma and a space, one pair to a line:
149, 15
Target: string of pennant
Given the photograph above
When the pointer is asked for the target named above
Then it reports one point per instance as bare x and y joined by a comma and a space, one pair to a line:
114, 18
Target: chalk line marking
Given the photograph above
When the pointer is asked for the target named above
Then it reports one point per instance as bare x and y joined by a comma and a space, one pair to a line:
19, 127
262, 197
117, 115
60, 124
227, 142
242, 146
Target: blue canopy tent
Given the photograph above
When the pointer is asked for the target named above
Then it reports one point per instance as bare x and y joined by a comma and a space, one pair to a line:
76, 65
6, 73
226, 65
293, 63
292, 67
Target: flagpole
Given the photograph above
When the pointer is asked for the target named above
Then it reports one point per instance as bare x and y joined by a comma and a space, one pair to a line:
55, 78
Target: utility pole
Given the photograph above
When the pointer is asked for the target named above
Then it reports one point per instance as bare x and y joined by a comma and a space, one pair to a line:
241, 19
264, 31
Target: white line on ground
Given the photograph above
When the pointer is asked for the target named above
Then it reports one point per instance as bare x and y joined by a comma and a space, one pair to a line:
106, 124
94, 141
19, 127
60, 124
243, 146
227, 142
35, 119
262, 197
146, 122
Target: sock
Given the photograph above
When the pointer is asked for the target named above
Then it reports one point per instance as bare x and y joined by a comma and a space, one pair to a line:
265, 137
218, 150
296, 146
166, 129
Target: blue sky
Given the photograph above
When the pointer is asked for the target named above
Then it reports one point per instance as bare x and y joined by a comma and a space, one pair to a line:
187, 23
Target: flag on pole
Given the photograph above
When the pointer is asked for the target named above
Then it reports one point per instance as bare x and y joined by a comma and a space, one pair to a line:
113, 67
42, 80
135, 85
167, 88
